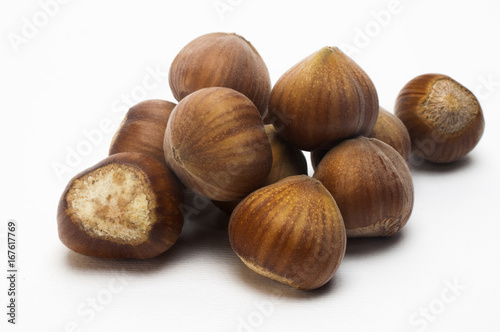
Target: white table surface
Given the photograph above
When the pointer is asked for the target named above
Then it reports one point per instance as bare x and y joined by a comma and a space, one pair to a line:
73, 74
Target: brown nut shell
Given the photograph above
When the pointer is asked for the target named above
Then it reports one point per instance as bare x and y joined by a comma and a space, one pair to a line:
225, 60
371, 184
126, 206
143, 128
291, 231
215, 142
389, 129
444, 118
323, 99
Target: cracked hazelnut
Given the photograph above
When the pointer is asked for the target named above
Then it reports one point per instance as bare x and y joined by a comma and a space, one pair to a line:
126, 206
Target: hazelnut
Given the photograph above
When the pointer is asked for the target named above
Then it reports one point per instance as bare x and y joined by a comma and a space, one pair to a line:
444, 119
126, 206
372, 185
215, 142
143, 128
389, 129
291, 231
225, 60
323, 99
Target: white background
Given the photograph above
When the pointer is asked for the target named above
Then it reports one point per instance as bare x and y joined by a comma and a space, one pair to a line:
74, 72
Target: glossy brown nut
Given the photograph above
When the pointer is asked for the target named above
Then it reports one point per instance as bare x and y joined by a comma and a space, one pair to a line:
126, 206
287, 161
323, 99
444, 119
291, 231
143, 128
389, 129
371, 184
215, 142
225, 60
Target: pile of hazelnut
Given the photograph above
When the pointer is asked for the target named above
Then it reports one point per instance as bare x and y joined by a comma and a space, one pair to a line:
238, 141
